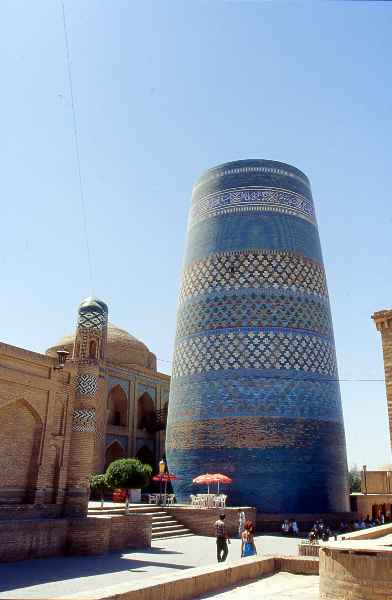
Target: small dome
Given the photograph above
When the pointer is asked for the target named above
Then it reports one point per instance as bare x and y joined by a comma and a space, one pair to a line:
122, 349
93, 303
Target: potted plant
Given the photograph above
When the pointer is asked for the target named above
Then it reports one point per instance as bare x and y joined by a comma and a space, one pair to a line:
128, 474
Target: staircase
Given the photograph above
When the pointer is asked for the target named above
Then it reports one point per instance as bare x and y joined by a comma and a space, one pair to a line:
163, 525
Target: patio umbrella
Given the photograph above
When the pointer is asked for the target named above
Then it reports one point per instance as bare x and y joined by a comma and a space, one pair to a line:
205, 479
164, 477
219, 478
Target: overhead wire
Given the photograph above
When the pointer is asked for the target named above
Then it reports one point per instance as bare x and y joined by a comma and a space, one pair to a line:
77, 151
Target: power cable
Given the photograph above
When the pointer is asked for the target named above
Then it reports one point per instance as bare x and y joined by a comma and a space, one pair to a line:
77, 152
343, 380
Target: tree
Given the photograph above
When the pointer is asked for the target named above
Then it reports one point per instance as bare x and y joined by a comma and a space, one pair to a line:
354, 479
129, 474
98, 484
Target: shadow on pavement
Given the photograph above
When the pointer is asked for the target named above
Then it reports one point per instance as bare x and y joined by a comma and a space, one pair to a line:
48, 570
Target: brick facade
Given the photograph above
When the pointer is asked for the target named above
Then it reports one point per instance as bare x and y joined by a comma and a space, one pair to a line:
383, 322
55, 431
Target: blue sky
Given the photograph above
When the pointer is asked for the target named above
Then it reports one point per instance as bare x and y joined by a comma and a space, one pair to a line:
163, 91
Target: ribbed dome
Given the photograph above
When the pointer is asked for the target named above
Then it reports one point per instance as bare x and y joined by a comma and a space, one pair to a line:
122, 349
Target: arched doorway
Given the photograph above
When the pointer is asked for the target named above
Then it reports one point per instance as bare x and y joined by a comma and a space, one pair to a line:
145, 455
20, 439
145, 411
114, 452
118, 407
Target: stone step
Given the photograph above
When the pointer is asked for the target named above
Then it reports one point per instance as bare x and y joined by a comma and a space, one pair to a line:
158, 516
163, 523
174, 527
177, 535
177, 532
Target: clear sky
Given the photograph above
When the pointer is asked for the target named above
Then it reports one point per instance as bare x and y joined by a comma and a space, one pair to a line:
163, 91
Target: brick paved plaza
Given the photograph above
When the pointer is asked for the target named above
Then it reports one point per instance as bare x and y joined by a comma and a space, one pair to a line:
60, 576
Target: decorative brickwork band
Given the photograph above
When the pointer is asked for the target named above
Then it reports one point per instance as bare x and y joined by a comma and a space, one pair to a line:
84, 420
87, 385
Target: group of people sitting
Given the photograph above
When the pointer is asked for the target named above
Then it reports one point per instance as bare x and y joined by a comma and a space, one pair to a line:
368, 522
319, 531
290, 527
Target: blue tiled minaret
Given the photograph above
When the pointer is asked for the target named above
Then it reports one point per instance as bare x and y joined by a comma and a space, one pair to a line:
254, 391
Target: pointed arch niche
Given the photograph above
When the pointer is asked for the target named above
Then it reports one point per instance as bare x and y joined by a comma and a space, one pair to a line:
145, 455
113, 452
20, 440
145, 411
117, 407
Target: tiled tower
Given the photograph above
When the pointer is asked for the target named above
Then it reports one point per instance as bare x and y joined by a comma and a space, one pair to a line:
383, 321
254, 391
89, 349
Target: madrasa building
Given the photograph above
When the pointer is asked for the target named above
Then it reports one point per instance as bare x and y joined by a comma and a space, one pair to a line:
100, 383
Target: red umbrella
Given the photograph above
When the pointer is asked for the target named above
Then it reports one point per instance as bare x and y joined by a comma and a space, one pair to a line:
219, 478
206, 479
164, 477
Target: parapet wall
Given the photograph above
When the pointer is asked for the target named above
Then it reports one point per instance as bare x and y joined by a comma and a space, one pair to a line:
358, 566
355, 575
40, 538
199, 581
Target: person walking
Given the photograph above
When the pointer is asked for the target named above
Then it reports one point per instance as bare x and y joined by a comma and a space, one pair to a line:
248, 547
241, 522
221, 539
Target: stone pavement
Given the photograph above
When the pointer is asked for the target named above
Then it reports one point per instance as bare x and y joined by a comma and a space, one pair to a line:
58, 576
282, 586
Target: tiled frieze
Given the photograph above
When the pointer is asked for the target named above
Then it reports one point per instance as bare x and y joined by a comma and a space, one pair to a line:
252, 199
255, 307
253, 349
253, 269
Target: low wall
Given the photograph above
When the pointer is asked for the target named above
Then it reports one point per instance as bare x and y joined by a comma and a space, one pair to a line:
201, 520
29, 511
371, 533
40, 538
304, 565
308, 549
199, 581
130, 531
20, 540
355, 574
